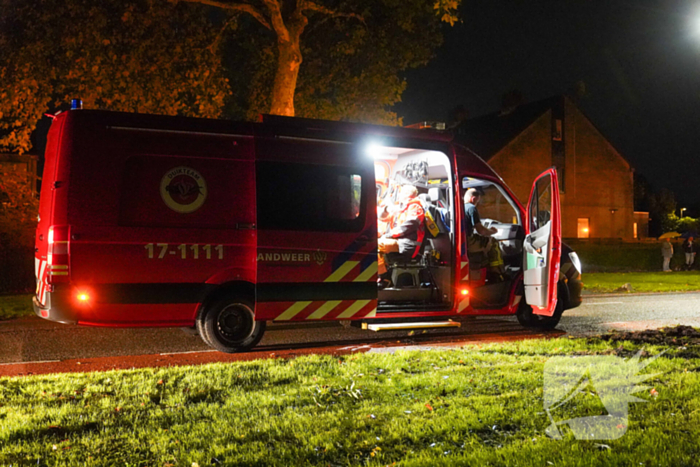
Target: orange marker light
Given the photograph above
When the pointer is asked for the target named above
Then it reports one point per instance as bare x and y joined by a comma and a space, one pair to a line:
465, 292
83, 297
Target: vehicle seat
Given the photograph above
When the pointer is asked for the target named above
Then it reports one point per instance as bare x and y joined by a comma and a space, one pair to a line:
413, 272
410, 271
405, 271
440, 213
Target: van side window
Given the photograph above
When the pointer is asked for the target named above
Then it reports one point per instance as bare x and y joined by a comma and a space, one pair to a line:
541, 203
309, 197
344, 197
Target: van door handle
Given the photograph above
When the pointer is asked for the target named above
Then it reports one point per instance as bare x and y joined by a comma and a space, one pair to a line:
362, 239
243, 226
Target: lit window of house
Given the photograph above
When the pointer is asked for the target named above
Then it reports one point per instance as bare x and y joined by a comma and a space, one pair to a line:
583, 229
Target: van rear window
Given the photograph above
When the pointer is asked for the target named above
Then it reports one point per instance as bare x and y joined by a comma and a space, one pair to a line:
309, 197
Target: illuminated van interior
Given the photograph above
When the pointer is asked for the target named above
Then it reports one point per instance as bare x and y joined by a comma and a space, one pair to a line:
426, 279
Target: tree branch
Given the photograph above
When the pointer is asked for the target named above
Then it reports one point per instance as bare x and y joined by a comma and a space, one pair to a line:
212, 48
242, 7
312, 6
273, 7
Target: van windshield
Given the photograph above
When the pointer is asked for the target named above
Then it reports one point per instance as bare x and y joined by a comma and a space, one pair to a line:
494, 203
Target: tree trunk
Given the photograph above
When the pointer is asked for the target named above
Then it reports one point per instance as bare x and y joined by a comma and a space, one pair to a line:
288, 63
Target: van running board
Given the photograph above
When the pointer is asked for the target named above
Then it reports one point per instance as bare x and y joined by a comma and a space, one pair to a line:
414, 325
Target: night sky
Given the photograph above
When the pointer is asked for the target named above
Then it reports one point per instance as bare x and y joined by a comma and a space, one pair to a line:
639, 60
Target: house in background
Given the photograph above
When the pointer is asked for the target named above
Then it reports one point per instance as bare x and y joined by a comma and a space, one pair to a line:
640, 228
595, 181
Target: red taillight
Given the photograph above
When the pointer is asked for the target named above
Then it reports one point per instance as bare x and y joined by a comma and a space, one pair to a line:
58, 253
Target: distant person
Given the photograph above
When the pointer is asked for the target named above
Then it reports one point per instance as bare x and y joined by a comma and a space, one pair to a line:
667, 253
479, 239
690, 248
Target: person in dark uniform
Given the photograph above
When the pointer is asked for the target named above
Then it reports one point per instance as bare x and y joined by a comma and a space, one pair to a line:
690, 248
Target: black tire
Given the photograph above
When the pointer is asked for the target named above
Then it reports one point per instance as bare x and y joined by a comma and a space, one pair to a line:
228, 325
530, 320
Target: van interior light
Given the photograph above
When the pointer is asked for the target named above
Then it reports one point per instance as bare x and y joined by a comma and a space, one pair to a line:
374, 150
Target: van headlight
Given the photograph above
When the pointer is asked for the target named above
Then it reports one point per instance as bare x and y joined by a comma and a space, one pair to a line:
575, 261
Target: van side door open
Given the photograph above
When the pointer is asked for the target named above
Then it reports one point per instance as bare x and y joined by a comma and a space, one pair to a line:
542, 246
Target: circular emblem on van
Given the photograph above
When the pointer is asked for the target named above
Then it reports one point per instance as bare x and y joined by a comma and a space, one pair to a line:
183, 189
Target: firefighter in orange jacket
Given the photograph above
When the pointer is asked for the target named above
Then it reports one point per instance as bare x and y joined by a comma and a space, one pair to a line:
406, 227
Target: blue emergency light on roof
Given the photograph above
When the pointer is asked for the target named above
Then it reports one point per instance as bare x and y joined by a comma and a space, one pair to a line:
76, 104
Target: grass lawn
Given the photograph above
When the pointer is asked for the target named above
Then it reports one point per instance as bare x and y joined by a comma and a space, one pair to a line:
676, 281
15, 306
480, 405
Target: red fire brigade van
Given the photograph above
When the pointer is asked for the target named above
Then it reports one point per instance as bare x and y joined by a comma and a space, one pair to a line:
152, 220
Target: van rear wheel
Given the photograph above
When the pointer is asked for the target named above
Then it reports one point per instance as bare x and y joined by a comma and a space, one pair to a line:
229, 325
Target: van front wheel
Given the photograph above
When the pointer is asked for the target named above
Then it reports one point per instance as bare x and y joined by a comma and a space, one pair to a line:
229, 325
530, 320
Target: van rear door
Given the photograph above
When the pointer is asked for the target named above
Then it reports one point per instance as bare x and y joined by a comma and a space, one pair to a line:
542, 248
54, 177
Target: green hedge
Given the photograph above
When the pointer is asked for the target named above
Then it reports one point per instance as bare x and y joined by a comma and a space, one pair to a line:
16, 270
16, 258
619, 256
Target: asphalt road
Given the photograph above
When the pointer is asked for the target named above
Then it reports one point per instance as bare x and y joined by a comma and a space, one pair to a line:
631, 313
36, 340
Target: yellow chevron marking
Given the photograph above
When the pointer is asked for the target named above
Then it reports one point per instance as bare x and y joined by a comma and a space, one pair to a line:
462, 305
341, 271
517, 299
466, 277
324, 309
292, 311
354, 308
367, 273
372, 314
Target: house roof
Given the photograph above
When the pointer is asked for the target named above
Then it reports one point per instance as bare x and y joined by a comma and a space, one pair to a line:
488, 134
